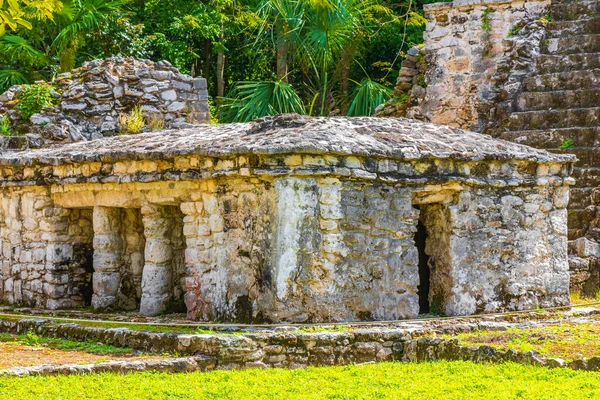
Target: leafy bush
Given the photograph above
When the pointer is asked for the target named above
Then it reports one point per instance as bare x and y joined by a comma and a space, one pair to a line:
5, 126
33, 98
566, 144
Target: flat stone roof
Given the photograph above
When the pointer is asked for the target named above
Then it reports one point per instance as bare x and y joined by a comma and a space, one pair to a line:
396, 138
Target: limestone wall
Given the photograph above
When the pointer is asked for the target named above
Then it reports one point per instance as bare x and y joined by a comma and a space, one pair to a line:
38, 239
464, 42
330, 239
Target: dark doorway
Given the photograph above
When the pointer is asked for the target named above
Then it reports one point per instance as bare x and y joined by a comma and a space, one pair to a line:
81, 274
424, 272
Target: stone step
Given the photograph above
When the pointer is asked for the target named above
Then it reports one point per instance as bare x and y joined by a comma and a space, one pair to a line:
558, 100
578, 221
581, 197
554, 119
553, 138
586, 155
587, 177
572, 44
573, 10
547, 63
576, 27
567, 80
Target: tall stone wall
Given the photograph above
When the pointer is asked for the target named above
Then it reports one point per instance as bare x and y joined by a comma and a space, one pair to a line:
38, 242
464, 44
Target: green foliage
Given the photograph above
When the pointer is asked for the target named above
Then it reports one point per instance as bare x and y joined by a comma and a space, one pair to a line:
486, 26
486, 22
402, 98
10, 77
323, 44
251, 100
20, 13
425, 380
515, 30
566, 144
5, 126
366, 96
566, 340
33, 98
133, 122
213, 111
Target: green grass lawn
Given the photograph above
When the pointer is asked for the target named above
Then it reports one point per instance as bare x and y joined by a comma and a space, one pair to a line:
440, 380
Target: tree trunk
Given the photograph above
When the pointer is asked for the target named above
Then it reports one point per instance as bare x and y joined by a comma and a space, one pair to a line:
282, 65
221, 69
344, 76
207, 59
282, 53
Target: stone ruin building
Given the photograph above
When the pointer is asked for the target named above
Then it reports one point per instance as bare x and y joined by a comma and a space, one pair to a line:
90, 100
527, 71
287, 218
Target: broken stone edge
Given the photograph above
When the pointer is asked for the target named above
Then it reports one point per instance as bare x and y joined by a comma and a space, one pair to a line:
395, 138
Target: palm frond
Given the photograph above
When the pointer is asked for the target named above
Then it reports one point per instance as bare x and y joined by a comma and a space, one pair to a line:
18, 48
251, 100
10, 77
87, 17
366, 96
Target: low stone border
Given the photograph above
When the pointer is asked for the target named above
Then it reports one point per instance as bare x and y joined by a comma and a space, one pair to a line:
189, 364
435, 349
301, 349
419, 350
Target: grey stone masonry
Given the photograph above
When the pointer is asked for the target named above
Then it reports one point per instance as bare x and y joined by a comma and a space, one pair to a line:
294, 218
92, 99
524, 71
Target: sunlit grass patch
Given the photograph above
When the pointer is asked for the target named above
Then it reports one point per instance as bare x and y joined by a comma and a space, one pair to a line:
439, 380
566, 340
32, 339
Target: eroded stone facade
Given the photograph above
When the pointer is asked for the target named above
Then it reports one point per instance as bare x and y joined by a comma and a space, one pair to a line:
290, 219
524, 71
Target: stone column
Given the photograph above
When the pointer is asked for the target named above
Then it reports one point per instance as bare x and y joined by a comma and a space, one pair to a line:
108, 256
46, 240
157, 277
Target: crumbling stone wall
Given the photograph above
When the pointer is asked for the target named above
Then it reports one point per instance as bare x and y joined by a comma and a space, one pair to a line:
90, 100
464, 43
276, 232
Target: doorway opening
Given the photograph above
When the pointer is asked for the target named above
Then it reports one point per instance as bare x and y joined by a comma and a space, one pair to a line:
424, 272
81, 264
432, 240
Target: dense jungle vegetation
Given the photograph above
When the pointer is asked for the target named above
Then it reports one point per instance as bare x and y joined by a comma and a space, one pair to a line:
260, 57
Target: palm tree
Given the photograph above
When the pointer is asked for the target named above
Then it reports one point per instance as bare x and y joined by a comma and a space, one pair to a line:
251, 100
323, 38
283, 21
79, 17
